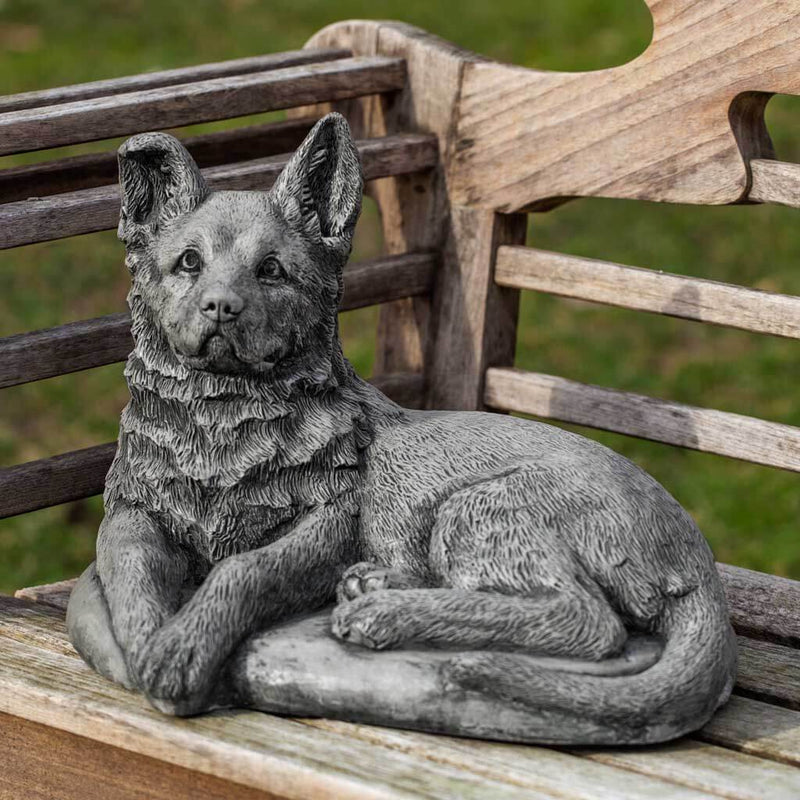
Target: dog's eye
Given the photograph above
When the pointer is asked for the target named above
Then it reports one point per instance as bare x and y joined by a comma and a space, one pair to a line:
189, 262
270, 269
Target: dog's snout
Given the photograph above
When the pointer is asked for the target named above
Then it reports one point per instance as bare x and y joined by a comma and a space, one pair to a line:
221, 305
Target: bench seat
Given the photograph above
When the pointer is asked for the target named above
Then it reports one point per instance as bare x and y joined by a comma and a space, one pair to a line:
63, 727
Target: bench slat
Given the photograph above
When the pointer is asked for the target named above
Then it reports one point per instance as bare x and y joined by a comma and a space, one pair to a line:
757, 728
81, 473
698, 766
769, 672
190, 103
168, 77
761, 605
90, 210
734, 435
101, 169
775, 182
90, 343
649, 290
277, 755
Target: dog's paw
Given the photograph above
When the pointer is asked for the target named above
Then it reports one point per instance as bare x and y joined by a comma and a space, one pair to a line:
361, 579
373, 620
175, 666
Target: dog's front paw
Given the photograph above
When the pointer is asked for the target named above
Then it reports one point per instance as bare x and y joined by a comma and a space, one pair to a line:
175, 666
361, 579
374, 620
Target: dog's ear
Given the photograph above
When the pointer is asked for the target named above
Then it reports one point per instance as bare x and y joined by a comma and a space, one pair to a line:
159, 181
320, 188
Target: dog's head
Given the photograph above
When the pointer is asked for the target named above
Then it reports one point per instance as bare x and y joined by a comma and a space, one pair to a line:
241, 281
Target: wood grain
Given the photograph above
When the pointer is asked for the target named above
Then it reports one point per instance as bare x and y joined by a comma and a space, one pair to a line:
41, 761
81, 473
678, 768
769, 672
679, 123
280, 756
761, 605
757, 728
81, 345
774, 182
168, 77
89, 210
201, 101
649, 290
711, 431
470, 323
100, 169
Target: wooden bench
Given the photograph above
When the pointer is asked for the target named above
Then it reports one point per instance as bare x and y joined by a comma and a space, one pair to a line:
457, 150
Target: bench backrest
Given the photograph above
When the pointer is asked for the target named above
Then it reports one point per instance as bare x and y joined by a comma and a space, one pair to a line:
457, 149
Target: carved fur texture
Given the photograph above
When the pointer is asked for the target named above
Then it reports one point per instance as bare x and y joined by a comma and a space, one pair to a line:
513, 580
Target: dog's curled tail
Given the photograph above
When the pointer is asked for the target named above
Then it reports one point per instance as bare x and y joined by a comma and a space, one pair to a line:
679, 693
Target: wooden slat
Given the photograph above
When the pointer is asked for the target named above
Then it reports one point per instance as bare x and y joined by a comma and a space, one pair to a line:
281, 756
760, 729
681, 765
55, 480
169, 77
711, 431
189, 103
42, 763
81, 473
774, 182
649, 290
91, 210
69, 348
100, 169
769, 672
763, 606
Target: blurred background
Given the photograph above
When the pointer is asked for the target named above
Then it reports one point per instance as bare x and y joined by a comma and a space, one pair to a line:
749, 513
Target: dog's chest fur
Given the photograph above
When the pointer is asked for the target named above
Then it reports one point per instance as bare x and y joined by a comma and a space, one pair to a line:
228, 464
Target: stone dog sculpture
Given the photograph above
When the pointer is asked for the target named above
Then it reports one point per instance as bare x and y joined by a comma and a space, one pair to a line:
521, 582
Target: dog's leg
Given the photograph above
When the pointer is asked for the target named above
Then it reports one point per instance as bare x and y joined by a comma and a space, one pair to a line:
575, 625
366, 577
246, 593
140, 576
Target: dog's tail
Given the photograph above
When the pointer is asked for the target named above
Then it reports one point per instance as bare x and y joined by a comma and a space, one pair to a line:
678, 694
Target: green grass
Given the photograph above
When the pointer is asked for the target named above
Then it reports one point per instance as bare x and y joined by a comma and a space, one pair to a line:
749, 513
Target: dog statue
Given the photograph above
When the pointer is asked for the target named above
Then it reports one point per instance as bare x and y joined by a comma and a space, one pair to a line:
492, 576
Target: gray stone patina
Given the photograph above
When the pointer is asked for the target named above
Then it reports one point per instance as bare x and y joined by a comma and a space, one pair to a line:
279, 535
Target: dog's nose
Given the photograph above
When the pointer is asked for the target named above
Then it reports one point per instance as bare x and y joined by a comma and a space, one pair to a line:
221, 305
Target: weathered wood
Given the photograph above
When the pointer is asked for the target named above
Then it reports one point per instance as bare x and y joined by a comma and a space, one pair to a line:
168, 77
100, 169
68, 348
649, 290
55, 480
189, 103
81, 473
699, 767
763, 606
90, 210
281, 756
678, 123
475, 320
707, 768
41, 761
760, 729
711, 431
54, 595
537, 769
769, 672
774, 182
470, 322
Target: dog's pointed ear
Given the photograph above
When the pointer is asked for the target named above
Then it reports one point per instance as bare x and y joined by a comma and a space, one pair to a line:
320, 188
159, 181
